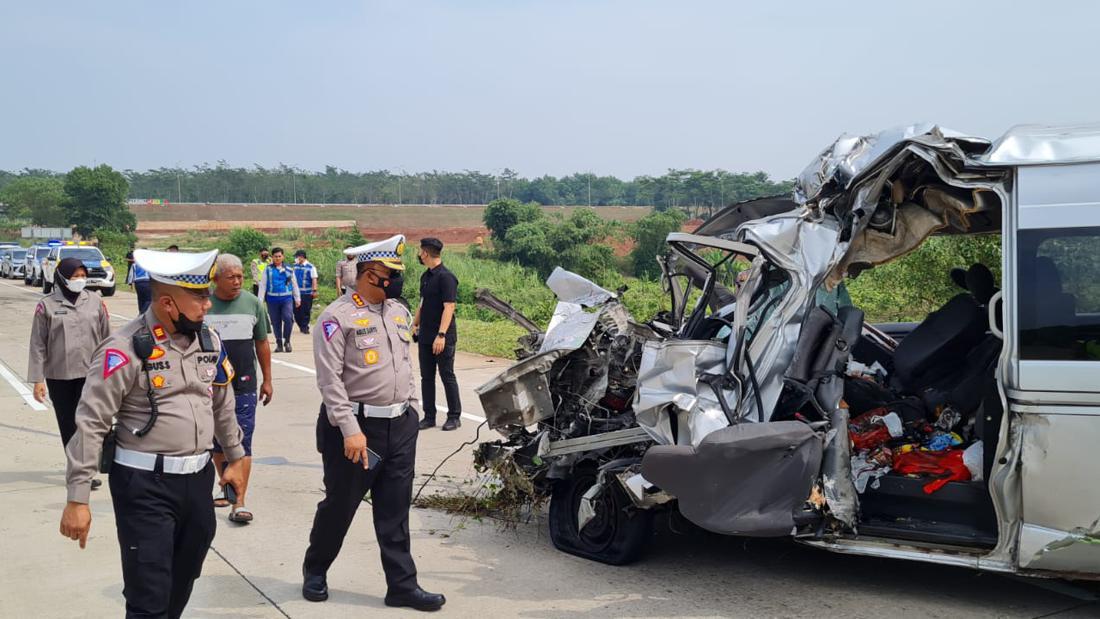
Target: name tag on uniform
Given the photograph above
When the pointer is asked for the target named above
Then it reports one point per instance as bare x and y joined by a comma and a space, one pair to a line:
59, 312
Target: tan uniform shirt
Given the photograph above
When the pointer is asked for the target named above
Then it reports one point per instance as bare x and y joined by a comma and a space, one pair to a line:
64, 335
362, 356
345, 272
194, 405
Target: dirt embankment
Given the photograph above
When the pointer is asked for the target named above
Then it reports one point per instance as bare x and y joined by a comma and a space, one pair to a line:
452, 224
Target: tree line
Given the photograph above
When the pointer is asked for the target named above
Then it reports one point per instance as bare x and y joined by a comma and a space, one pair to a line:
89, 199
698, 192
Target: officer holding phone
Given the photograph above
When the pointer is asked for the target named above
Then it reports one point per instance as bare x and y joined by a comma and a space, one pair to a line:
164, 380
368, 425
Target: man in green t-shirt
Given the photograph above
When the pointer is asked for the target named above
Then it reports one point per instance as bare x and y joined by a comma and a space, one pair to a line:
241, 321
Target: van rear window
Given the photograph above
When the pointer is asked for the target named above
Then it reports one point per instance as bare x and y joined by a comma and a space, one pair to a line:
1059, 297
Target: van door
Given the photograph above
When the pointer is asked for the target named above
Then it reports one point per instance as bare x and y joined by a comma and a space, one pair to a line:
1053, 383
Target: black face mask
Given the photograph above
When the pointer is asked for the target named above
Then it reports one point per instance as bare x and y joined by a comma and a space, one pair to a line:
392, 286
185, 325
420, 259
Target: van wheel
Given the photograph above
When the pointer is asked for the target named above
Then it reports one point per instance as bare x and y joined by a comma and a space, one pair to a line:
47, 287
617, 534
107, 292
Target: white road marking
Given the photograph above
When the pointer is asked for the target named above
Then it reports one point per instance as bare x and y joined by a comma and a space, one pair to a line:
294, 366
37, 291
21, 388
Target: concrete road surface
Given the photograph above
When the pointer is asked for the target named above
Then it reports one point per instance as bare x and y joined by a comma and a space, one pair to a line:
255, 570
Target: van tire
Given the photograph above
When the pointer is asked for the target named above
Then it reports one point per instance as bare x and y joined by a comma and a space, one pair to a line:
107, 292
617, 535
47, 287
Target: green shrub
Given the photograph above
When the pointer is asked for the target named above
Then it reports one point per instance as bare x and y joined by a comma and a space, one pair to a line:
650, 233
503, 214
114, 245
245, 243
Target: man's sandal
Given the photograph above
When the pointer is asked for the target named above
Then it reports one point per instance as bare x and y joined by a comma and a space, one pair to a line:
240, 515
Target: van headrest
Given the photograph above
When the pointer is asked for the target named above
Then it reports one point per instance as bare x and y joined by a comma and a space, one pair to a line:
980, 283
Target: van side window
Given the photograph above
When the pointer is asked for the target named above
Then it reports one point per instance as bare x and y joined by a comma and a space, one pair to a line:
1059, 294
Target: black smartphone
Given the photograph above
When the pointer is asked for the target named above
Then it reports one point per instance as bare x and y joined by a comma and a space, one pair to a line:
230, 494
372, 458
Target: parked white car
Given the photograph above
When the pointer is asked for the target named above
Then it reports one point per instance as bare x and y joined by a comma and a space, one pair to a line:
32, 273
14, 262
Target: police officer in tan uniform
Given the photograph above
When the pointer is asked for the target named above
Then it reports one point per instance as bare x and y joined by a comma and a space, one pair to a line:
164, 378
367, 428
69, 323
345, 274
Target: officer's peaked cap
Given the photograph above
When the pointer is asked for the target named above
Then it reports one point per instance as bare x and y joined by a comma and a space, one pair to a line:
184, 269
388, 252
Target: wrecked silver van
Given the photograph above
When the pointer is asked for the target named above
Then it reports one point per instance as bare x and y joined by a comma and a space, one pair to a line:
762, 403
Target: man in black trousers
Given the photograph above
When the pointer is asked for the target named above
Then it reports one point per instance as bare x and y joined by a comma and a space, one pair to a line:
438, 336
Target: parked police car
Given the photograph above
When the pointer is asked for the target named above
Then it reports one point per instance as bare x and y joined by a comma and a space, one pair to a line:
101, 275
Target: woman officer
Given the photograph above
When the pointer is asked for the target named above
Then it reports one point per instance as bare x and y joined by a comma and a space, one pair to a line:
68, 326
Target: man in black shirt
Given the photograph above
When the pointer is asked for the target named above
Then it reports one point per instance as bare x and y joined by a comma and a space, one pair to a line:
434, 325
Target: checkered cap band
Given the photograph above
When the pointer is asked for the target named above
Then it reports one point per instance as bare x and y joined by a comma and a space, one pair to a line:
198, 280
378, 255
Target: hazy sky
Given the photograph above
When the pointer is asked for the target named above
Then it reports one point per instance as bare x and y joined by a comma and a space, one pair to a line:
552, 87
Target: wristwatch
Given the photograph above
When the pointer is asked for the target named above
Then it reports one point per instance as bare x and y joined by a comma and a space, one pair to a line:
439, 335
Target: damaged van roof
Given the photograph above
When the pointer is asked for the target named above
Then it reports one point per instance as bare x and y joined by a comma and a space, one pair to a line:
1046, 144
840, 166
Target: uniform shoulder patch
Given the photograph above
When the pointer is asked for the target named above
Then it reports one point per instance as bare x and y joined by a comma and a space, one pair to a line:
158, 332
225, 371
113, 360
40, 308
329, 328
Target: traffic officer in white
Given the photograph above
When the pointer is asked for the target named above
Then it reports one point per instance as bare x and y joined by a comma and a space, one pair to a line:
164, 378
367, 428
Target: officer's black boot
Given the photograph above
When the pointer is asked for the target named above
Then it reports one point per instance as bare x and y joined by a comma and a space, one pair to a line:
278, 347
314, 587
417, 599
452, 423
288, 348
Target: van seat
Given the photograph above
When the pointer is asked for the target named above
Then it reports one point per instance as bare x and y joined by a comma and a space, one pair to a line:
938, 346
